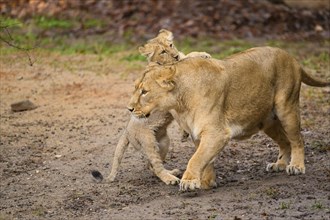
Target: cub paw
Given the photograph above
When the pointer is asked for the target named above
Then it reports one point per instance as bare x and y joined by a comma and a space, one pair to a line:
168, 178
175, 172
275, 167
295, 170
205, 55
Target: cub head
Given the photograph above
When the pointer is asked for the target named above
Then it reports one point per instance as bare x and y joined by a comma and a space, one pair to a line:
161, 49
153, 92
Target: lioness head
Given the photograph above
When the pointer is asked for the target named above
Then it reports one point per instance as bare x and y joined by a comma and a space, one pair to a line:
153, 91
161, 49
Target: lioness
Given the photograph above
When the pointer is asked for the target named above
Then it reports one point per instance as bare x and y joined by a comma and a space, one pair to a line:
150, 134
218, 100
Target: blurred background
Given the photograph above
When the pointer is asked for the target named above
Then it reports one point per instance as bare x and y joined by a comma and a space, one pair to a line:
141, 19
219, 27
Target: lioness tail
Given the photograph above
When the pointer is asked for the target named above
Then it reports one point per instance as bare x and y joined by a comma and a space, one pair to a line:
311, 81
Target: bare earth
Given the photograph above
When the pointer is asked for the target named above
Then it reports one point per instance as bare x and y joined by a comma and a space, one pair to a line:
47, 154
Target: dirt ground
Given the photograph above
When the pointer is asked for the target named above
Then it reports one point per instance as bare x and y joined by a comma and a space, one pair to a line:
47, 154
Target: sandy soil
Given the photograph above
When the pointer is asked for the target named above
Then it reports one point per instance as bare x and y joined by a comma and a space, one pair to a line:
47, 154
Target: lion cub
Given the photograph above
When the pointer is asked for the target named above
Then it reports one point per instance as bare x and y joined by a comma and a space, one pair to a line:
150, 134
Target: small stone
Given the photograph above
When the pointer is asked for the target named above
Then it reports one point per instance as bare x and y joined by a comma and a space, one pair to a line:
25, 105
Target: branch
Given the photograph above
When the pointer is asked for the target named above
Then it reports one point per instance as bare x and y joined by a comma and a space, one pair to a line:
11, 44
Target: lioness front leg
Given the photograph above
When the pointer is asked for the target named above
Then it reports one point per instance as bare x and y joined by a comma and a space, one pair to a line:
206, 152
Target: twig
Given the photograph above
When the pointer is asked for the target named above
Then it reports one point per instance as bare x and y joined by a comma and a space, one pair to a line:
11, 44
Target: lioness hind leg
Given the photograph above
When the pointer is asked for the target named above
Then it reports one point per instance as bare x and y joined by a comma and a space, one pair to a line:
276, 132
290, 119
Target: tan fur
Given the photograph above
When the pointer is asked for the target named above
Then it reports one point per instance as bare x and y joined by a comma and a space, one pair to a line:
162, 50
220, 100
150, 135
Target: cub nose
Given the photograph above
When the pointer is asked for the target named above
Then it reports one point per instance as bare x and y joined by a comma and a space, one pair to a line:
131, 109
177, 57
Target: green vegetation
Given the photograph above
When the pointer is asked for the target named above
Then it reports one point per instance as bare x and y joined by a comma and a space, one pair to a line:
272, 192
284, 205
318, 205
31, 34
49, 22
10, 22
319, 146
212, 216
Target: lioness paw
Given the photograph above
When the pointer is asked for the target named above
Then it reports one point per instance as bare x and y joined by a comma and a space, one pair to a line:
295, 170
189, 184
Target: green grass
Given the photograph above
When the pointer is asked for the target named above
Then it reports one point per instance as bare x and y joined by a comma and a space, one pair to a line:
90, 23
10, 22
50, 22
272, 192
27, 34
318, 205
284, 205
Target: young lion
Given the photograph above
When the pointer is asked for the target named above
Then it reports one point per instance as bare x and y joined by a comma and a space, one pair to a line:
150, 134
161, 50
234, 98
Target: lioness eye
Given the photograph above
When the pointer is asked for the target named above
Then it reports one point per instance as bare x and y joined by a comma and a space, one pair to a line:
163, 52
171, 45
144, 92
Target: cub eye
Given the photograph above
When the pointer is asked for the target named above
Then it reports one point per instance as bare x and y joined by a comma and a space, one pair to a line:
163, 52
144, 92
171, 45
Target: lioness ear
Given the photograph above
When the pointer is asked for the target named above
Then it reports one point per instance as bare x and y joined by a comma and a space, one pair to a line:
144, 52
166, 81
166, 34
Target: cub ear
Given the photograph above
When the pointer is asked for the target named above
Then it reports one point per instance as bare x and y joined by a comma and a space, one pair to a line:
145, 52
168, 35
166, 80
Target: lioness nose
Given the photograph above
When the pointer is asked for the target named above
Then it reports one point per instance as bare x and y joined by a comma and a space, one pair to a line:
130, 109
177, 57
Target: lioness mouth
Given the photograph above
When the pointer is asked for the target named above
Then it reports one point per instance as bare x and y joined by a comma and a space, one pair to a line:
147, 115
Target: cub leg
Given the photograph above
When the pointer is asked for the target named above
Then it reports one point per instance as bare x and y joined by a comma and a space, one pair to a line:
210, 145
290, 119
152, 150
277, 133
119, 152
163, 142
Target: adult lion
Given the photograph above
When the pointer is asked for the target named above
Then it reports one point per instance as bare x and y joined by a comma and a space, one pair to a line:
218, 100
150, 134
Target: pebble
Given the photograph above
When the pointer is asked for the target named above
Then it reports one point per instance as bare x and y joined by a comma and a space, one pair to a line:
24, 105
